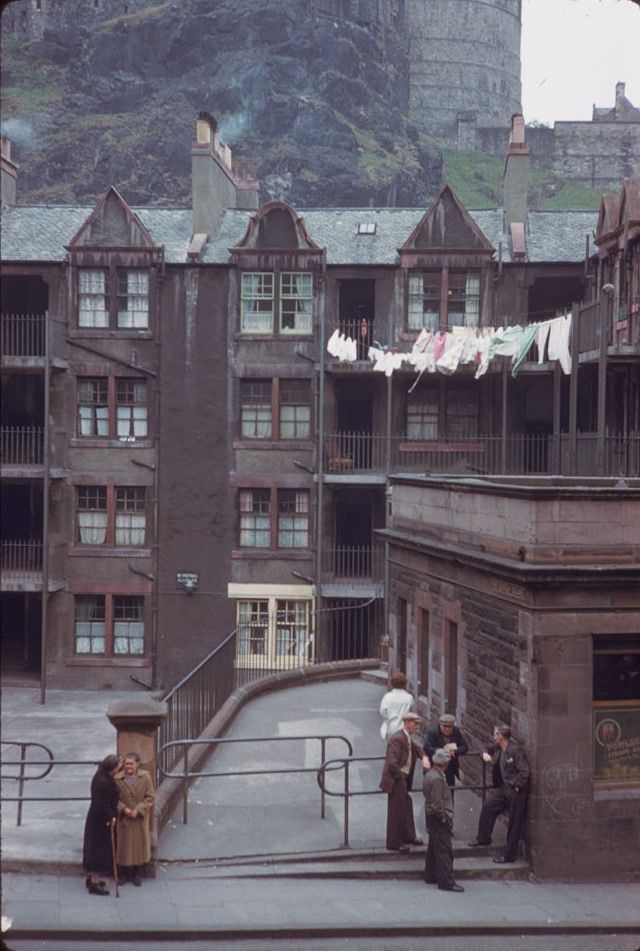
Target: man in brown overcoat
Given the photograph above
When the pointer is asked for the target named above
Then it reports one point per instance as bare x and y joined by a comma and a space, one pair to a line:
136, 797
397, 778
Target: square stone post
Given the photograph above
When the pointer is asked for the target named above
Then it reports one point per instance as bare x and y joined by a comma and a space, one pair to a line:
137, 723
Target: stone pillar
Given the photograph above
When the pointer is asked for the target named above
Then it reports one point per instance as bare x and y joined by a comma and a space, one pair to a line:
137, 723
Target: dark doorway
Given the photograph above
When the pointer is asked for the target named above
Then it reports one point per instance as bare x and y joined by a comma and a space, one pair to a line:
20, 618
354, 628
354, 406
356, 304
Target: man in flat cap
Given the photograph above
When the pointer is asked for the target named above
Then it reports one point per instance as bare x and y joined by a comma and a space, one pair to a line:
447, 736
438, 805
397, 777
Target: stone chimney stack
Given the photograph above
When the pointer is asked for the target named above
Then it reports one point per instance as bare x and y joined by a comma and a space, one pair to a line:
215, 185
516, 188
8, 175
620, 96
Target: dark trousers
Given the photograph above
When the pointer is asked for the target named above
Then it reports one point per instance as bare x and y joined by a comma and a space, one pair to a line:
438, 865
504, 799
400, 825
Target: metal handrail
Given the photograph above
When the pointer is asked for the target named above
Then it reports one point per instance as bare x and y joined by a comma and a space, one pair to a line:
185, 775
21, 778
346, 794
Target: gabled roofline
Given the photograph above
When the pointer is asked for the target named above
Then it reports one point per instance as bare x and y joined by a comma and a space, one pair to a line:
130, 214
409, 244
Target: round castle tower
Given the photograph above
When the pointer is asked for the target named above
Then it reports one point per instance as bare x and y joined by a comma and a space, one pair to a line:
464, 66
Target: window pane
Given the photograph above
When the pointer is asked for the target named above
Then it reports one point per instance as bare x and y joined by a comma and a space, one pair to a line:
253, 627
296, 303
128, 625
255, 409
133, 299
292, 629
255, 519
90, 624
256, 302
293, 518
93, 306
93, 409
462, 414
422, 415
424, 301
464, 299
131, 410
295, 409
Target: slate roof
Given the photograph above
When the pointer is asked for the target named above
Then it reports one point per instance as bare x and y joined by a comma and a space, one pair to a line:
40, 232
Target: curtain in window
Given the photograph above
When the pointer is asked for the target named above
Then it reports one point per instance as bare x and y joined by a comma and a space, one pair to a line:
130, 528
93, 528
90, 625
292, 629
296, 302
133, 299
93, 420
257, 302
93, 310
253, 626
472, 302
128, 625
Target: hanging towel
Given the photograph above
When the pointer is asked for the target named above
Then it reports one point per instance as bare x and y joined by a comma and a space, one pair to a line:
559, 342
529, 334
541, 339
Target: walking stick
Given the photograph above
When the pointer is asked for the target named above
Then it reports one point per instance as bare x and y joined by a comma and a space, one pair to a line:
114, 857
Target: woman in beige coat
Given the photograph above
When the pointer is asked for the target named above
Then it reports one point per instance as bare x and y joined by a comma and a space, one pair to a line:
135, 791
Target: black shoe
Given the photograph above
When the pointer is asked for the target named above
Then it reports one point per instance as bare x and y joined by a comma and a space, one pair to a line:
477, 844
95, 889
502, 859
451, 888
137, 881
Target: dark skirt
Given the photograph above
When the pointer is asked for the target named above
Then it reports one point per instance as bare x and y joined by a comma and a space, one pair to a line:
96, 850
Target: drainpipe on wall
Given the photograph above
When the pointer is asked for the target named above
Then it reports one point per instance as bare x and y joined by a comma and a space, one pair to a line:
45, 513
322, 303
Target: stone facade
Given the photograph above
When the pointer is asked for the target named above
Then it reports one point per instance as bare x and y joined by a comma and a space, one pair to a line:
533, 590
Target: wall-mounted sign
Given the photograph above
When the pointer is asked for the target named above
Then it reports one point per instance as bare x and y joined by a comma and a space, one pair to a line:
188, 579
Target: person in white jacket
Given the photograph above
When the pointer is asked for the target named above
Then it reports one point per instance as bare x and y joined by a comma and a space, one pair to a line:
393, 706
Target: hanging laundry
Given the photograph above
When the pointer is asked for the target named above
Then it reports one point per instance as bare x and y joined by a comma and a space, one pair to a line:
529, 334
333, 346
541, 339
454, 345
558, 348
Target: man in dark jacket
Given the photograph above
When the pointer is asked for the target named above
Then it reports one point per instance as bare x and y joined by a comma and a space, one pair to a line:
447, 736
438, 805
511, 778
397, 778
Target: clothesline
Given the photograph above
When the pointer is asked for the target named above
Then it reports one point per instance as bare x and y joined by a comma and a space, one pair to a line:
444, 352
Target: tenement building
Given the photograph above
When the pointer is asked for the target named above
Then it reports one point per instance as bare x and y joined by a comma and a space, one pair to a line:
222, 418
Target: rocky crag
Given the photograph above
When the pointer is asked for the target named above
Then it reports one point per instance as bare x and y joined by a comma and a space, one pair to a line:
321, 105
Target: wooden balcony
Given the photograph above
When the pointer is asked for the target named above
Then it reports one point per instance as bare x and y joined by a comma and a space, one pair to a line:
22, 335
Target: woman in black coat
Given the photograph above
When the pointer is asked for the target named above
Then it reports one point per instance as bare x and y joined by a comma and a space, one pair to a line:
96, 853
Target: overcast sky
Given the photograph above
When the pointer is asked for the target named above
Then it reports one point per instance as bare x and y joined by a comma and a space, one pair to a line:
574, 52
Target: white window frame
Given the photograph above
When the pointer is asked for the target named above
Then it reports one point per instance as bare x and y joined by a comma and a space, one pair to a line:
257, 302
296, 299
269, 609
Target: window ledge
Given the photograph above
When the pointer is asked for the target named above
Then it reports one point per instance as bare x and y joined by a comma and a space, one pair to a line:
93, 442
293, 444
103, 334
108, 551
273, 336
612, 791
282, 554
101, 661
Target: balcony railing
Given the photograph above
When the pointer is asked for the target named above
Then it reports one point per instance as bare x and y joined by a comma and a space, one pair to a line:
21, 446
521, 454
352, 562
21, 556
354, 452
360, 330
22, 335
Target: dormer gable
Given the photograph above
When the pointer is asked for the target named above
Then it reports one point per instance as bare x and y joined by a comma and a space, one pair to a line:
275, 232
608, 225
447, 226
113, 226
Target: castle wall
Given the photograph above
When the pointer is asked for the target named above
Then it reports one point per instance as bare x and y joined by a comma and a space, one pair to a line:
464, 58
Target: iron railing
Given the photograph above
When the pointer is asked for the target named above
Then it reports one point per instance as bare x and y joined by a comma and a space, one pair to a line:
21, 446
44, 767
360, 330
348, 452
195, 700
346, 792
21, 556
351, 562
179, 750
22, 335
